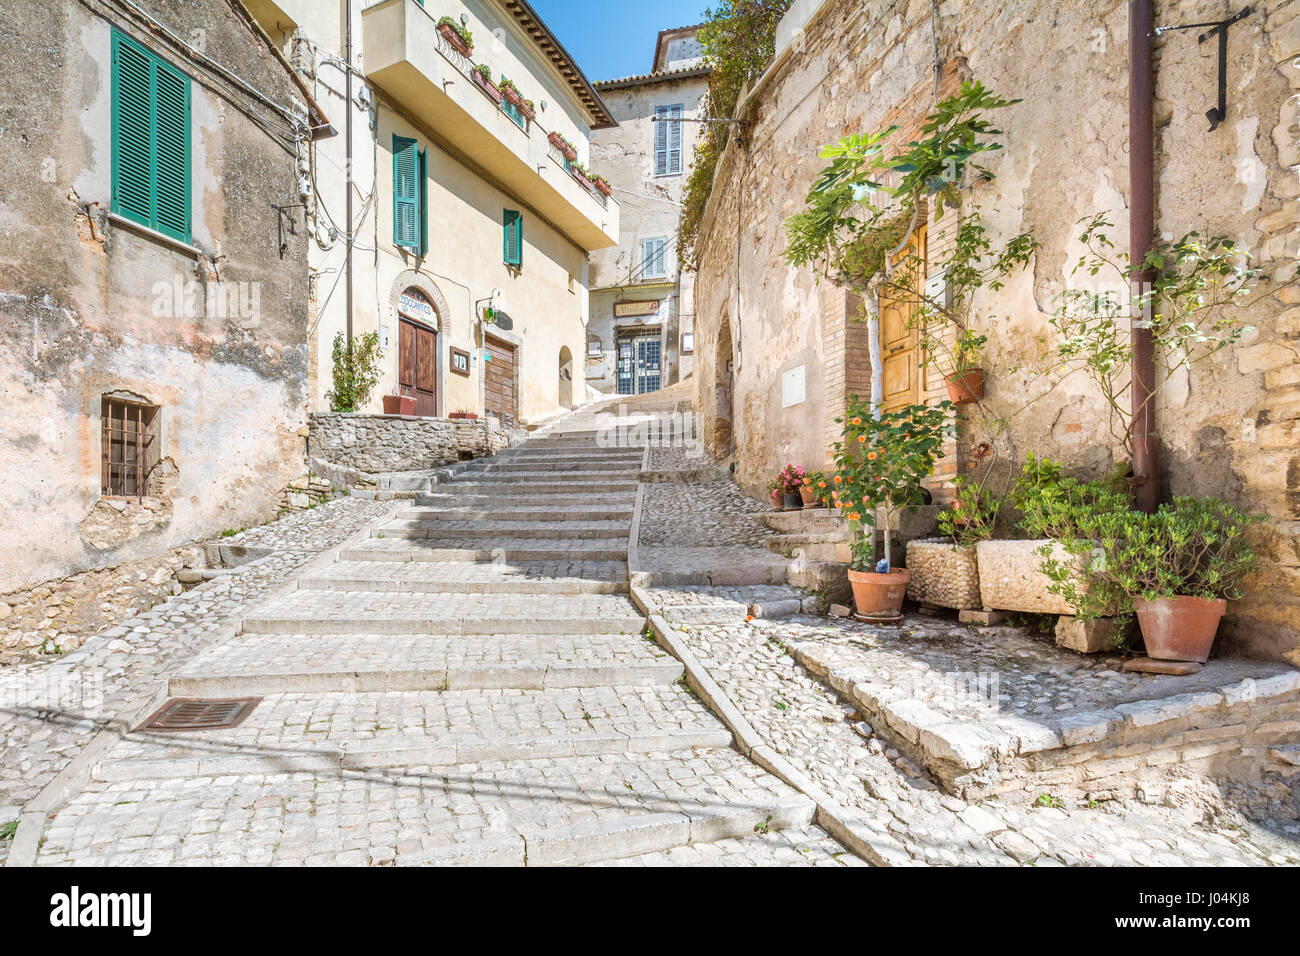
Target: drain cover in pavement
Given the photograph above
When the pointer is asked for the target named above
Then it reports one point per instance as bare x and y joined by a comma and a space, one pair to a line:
188, 713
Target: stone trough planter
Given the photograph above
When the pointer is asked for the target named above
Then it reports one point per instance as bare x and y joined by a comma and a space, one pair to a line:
943, 574
1010, 580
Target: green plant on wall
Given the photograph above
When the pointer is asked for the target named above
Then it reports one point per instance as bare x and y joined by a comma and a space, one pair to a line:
879, 466
356, 371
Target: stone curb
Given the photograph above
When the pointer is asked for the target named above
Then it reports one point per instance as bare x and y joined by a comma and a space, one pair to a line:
839, 821
78, 771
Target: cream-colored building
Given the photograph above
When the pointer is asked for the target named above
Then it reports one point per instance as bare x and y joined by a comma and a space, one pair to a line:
470, 230
641, 334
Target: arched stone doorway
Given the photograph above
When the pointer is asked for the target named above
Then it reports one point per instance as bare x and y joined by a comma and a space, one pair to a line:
566, 378
722, 437
423, 320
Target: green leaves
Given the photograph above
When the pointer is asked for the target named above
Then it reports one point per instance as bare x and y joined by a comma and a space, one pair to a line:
356, 371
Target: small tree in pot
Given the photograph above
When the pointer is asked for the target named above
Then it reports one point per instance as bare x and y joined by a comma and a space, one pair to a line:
879, 467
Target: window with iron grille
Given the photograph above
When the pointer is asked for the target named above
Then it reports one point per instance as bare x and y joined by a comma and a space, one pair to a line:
129, 446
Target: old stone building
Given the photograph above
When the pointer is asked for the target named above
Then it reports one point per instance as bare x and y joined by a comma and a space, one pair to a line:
641, 333
462, 235
778, 352
153, 299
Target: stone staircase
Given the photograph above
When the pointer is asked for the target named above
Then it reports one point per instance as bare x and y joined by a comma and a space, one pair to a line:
475, 662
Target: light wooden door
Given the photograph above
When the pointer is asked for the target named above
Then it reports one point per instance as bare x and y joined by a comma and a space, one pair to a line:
500, 398
417, 367
901, 382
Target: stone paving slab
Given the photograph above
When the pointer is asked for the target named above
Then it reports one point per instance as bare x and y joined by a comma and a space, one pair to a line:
568, 810
280, 663
567, 577
664, 566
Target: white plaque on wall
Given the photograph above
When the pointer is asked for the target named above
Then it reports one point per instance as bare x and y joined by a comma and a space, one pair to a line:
792, 387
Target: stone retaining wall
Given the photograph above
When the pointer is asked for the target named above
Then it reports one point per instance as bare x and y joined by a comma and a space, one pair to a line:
382, 443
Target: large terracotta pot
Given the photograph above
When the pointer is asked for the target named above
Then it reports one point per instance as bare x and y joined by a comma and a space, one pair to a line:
808, 494
876, 593
967, 387
399, 405
778, 501
1179, 628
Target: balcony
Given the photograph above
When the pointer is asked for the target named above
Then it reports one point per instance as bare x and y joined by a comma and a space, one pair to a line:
409, 59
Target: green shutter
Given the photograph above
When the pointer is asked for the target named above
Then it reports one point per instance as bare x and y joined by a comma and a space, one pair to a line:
424, 202
513, 253
151, 140
406, 194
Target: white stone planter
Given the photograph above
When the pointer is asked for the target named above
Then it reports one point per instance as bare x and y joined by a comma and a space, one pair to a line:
943, 574
1010, 579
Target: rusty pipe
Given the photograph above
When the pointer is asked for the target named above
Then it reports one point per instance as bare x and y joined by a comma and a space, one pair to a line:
1141, 160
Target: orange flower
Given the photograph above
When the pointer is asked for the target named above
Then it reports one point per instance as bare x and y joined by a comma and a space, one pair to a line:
838, 479
862, 439
871, 456
857, 421
821, 484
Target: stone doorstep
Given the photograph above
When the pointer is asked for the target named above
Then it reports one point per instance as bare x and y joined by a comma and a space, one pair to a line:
411, 751
519, 675
973, 745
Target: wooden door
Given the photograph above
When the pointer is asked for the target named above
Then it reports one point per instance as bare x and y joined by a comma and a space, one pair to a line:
500, 398
900, 384
417, 367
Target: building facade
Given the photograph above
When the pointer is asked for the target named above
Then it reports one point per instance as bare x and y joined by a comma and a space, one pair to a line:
462, 236
153, 299
641, 333
779, 351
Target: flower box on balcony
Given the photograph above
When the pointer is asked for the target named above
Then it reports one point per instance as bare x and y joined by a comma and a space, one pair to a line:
564, 146
599, 183
453, 36
526, 107
487, 86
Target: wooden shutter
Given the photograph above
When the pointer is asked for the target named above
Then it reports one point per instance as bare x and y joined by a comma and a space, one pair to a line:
406, 194
661, 142
674, 158
424, 201
513, 238
151, 140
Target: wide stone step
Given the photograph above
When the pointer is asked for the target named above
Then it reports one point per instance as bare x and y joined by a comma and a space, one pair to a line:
565, 811
530, 530
504, 551
260, 664
573, 466
555, 490
730, 605
495, 500
309, 732
350, 612
559, 481
452, 577
543, 513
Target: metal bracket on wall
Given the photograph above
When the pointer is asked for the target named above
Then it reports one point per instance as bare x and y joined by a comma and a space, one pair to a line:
1215, 114
285, 224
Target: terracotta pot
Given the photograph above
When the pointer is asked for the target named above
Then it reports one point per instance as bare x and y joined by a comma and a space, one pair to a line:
468, 416
399, 405
965, 388
809, 495
527, 111
603, 186
455, 39
792, 501
488, 87
1179, 628
875, 593
512, 95
778, 503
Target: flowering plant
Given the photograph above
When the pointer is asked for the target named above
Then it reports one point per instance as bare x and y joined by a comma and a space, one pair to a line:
792, 477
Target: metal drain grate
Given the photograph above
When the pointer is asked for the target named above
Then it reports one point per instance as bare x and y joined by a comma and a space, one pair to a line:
188, 713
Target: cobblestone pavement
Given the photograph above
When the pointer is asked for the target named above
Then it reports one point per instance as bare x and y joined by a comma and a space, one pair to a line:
124, 664
452, 689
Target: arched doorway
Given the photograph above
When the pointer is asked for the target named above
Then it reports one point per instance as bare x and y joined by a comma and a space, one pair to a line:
417, 350
723, 371
566, 377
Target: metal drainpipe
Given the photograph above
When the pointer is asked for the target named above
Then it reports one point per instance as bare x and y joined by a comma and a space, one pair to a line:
1146, 469
347, 173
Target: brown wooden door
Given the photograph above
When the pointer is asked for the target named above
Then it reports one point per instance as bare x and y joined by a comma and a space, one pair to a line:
500, 398
900, 384
417, 367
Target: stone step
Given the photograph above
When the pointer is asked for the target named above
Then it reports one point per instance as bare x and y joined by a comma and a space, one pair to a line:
729, 605
514, 513
519, 530
555, 490
628, 456
311, 732
555, 577
793, 846
572, 466
512, 550
497, 501
566, 811
562, 481
355, 612
307, 662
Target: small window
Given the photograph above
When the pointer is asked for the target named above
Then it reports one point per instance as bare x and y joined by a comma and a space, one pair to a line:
668, 140
129, 447
513, 238
688, 341
654, 258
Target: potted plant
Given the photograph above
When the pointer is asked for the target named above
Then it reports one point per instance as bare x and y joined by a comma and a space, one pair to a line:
399, 404
579, 172
509, 90
567, 149
966, 383
879, 466
528, 108
461, 40
775, 495
463, 413
791, 479
1176, 568
943, 570
483, 77
601, 183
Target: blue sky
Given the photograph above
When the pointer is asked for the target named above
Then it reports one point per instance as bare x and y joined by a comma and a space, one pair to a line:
613, 38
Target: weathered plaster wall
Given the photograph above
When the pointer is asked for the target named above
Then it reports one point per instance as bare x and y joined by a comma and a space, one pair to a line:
1228, 429
89, 304
381, 443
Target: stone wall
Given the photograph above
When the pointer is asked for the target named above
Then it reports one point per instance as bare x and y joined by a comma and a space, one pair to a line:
1230, 428
381, 443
